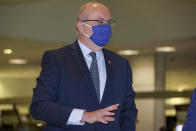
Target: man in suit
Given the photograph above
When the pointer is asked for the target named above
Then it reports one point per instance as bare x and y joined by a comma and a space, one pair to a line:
190, 124
82, 86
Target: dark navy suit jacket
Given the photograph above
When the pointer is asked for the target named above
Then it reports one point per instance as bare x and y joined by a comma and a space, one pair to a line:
190, 124
65, 83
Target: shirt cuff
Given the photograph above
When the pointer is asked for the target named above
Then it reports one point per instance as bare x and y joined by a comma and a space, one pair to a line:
75, 117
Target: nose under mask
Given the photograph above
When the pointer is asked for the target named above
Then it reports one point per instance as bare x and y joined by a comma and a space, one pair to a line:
101, 34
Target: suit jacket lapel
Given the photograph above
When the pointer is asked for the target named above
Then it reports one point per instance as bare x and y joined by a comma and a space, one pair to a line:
108, 63
80, 61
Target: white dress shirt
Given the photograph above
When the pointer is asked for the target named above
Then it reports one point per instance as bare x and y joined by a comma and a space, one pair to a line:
76, 114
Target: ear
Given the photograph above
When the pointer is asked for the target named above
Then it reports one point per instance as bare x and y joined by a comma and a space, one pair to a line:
79, 26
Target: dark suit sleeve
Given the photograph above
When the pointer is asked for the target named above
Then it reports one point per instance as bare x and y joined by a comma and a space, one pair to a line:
43, 106
129, 111
191, 115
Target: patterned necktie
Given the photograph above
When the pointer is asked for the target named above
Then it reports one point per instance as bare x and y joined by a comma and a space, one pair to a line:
95, 74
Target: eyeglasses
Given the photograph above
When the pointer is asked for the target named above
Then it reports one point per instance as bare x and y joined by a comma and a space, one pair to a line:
101, 21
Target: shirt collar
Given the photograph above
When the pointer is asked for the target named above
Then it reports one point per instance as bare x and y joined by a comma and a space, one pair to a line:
85, 50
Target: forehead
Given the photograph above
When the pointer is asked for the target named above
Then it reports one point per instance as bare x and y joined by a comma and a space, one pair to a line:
98, 13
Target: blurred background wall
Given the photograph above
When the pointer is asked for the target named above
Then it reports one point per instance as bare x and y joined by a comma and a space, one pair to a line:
163, 77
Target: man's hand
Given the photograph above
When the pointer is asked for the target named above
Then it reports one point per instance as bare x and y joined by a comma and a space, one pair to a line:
103, 115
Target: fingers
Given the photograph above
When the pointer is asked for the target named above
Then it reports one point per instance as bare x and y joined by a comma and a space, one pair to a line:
102, 115
103, 121
106, 119
112, 107
106, 113
109, 119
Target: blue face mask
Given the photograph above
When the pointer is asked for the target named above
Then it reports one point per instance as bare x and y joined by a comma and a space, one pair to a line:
101, 34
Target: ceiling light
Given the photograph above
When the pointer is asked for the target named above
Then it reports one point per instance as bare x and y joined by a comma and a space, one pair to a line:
170, 112
166, 49
17, 61
177, 101
39, 124
7, 51
128, 52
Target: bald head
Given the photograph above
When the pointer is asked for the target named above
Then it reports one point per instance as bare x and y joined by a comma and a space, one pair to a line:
91, 14
91, 9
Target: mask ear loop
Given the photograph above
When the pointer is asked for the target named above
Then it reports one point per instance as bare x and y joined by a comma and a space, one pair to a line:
88, 36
